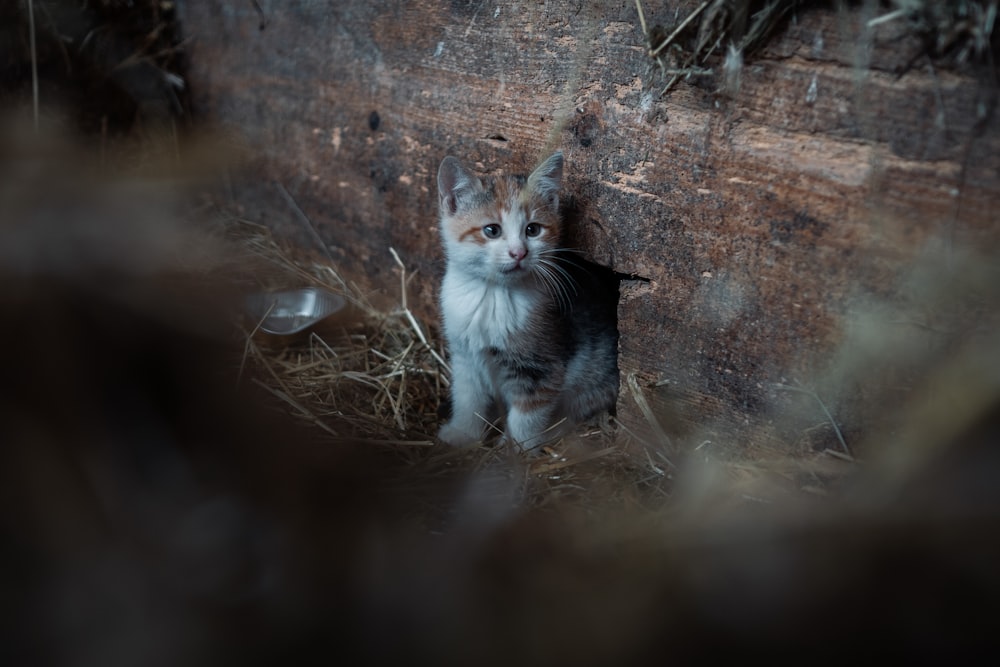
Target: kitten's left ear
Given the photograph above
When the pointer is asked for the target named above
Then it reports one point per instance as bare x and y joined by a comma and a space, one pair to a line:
546, 179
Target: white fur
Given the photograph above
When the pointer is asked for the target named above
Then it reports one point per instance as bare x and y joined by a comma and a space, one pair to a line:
529, 429
489, 293
477, 315
483, 314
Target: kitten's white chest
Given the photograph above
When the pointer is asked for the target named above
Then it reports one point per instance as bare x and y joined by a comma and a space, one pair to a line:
483, 315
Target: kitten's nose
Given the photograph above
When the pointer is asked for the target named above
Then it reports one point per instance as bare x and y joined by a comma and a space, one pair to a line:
517, 252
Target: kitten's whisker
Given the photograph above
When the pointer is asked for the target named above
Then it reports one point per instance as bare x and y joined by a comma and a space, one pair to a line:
568, 281
558, 279
555, 287
552, 258
564, 295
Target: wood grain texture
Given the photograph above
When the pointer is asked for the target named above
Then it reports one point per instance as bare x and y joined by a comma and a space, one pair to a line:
752, 220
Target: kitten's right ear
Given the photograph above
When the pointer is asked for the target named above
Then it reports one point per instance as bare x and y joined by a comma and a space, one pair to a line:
453, 183
546, 179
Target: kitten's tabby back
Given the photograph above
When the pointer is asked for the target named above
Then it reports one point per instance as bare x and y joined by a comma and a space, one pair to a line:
530, 328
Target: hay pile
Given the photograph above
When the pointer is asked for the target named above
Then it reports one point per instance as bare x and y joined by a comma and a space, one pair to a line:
713, 40
379, 378
156, 513
599, 551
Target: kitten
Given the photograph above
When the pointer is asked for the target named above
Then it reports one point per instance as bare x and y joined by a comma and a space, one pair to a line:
530, 328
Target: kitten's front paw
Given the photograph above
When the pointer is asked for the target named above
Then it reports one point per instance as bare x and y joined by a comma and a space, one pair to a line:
457, 437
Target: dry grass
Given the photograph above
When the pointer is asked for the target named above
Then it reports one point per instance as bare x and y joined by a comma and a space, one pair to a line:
618, 549
374, 376
379, 377
714, 26
713, 39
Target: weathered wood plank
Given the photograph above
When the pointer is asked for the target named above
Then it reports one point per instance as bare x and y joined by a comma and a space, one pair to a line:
753, 220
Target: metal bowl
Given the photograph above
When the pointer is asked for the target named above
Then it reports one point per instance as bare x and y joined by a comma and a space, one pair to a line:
288, 312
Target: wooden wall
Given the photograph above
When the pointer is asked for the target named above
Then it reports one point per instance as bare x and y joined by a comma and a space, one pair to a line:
749, 222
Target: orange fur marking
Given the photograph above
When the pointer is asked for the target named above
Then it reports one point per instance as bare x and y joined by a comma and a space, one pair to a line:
473, 234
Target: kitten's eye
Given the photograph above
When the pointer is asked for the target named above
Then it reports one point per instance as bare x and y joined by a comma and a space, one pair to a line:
534, 229
492, 231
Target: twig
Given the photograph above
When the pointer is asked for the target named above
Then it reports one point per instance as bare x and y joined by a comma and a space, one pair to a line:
689, 71
840, 455
409, 315
489, 423
655, 468
822, 405
642, 23
691, 17
642, 440
306, 222
670, 84
249, 341
558, 465
292, 402
647, 412
318, 339
415, 443
402, 276
34, 61
885, 18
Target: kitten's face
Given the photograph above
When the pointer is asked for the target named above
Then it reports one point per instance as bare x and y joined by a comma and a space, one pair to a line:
503, 231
